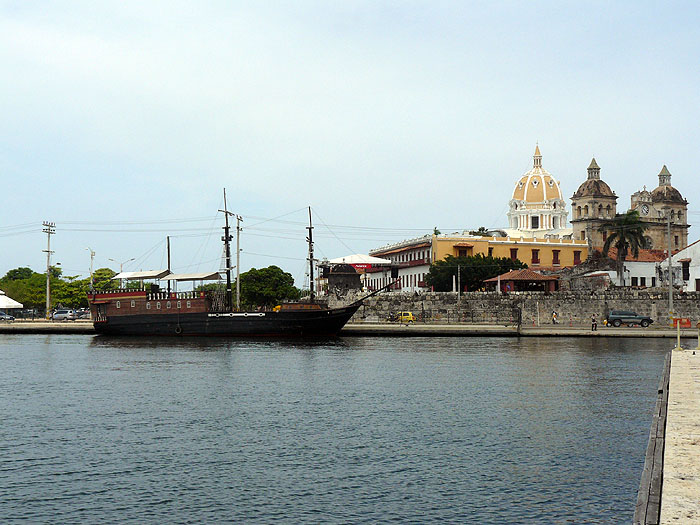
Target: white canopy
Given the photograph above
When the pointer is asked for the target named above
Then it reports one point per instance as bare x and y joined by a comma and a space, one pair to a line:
6, 302
150, 274
211, 276
360, 258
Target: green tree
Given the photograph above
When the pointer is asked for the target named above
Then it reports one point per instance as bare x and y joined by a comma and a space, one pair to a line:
267, 287
436, 231
626, 234
482, 231
18, 274
102, 279
473, 270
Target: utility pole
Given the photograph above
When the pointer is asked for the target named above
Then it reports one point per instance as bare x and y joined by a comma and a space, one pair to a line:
238, 261
49, 230
311, 258
459, 283
227, 239
670, 268
92, 259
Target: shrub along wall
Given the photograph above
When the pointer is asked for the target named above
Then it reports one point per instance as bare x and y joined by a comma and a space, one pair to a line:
573, 307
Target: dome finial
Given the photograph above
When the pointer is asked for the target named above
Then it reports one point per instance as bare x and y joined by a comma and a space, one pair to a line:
537, 157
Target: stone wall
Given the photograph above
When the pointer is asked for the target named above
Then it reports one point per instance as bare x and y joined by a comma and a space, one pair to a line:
572, 307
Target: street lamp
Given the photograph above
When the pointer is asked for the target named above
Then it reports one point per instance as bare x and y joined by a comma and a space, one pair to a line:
121, 269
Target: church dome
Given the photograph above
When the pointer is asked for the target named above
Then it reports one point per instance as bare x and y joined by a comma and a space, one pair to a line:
665, 192
537, 185
593, 188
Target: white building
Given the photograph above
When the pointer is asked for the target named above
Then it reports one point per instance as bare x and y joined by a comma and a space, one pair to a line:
537, 208
412, 257
685, 264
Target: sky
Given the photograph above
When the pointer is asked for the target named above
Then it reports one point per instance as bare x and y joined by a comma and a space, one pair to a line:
123, 121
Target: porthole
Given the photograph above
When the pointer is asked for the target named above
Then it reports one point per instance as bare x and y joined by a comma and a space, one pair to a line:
167, 305
119, 304
158, 305
189, 304
133, 304
148, 306
179, 305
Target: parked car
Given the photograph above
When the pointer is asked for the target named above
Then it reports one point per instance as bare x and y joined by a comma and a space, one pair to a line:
82, 313
406, 317
6, 317
63, 315
619, 317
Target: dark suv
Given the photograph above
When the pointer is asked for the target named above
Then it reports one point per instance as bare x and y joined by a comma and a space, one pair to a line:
619, 317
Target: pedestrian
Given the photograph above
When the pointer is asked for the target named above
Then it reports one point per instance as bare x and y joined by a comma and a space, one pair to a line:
554, 317
594, 323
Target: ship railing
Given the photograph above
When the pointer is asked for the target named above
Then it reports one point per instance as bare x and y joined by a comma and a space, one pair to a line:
163, 296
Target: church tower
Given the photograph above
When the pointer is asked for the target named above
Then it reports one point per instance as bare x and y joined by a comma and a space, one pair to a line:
592, 204
654, 209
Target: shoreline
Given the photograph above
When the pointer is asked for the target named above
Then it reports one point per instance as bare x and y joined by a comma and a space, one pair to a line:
401, 330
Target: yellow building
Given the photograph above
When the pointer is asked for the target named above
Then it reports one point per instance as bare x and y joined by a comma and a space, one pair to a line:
414, 256
536, 253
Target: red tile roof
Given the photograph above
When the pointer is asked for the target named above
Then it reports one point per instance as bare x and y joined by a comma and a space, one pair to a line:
644, 255
523, 275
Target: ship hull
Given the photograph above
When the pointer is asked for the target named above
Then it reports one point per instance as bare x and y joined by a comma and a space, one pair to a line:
302, 323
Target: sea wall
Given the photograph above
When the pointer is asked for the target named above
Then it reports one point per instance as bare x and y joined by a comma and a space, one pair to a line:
572, 307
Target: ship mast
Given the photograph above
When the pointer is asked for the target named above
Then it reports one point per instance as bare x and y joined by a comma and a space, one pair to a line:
311, 258
227, 246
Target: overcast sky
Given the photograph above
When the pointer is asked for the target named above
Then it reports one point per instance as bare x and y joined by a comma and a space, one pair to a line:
123, 121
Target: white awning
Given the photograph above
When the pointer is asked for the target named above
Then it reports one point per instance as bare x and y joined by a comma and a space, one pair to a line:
212, 276
149, 274
7, 303
360, 258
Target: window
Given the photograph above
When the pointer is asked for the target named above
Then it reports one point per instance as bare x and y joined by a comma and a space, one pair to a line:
133, 304
490, 251
642, 281
119, 304
462, 253
577, 257
148, 306
167, 305
583, 235
555, 257
605, 236
675, 239
535, 256
585, 210
514, 254
158, 305
535, 222
179, 305
653, 282
634, 281
686, 270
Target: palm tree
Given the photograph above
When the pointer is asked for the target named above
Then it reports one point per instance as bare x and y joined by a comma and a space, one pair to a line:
625, 233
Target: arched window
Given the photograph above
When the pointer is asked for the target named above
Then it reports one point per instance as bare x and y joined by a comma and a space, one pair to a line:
600, 210
607, 210
579, 211
585, 210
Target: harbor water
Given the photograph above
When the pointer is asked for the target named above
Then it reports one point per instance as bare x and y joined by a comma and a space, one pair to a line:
356, 430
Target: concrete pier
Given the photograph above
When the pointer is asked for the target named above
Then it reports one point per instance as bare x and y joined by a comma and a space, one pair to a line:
680, 493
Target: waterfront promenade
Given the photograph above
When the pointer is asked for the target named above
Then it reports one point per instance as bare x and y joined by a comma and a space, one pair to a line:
680, 493
403, 330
